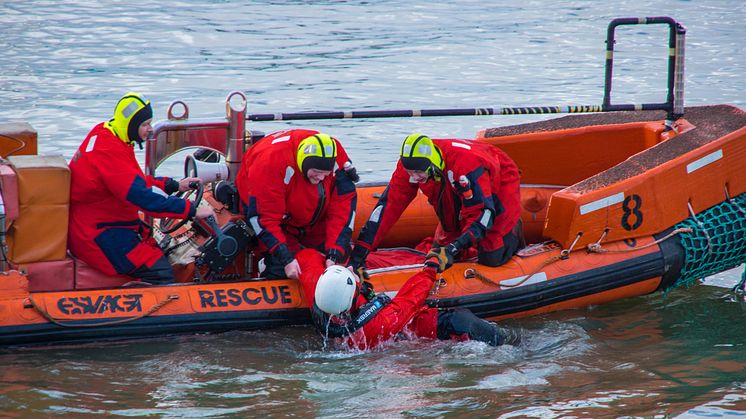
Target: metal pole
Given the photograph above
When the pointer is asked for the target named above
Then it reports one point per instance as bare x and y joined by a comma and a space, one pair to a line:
678, 86
486, 111
236, 128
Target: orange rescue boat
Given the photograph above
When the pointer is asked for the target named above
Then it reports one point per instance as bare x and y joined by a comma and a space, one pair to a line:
615, 204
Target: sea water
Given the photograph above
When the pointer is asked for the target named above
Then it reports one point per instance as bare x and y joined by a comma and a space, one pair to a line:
64, 65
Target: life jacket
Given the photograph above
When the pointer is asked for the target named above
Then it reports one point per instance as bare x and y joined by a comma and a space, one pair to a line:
364, 314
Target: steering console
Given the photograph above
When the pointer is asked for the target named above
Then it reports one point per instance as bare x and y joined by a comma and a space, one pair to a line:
168, 225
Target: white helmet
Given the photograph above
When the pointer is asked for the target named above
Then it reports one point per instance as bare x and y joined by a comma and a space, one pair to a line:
335, 290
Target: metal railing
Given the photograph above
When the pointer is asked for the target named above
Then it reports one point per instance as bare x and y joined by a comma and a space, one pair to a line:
226, 136
675, 85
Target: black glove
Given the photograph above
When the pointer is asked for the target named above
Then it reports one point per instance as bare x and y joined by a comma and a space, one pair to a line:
357, 257
362, 273
462, 242
453, 251
334, 255
439, 258
171, 186
351, 172
366, 289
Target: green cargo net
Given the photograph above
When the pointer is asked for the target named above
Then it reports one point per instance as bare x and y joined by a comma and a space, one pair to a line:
717, 241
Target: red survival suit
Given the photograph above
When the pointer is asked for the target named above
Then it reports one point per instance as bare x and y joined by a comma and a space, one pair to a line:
481, 214
406, 312
286, 211
108, 188
380, 319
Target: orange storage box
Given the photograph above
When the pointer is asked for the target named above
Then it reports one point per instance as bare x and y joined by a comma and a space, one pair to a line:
39, 233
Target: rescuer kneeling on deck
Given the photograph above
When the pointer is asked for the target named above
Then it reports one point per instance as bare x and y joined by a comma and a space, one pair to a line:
297, 190
474, 188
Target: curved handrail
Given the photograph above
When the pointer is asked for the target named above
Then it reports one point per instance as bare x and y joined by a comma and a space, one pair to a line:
225, 136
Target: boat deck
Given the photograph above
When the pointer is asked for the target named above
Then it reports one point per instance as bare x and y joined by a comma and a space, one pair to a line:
711, 122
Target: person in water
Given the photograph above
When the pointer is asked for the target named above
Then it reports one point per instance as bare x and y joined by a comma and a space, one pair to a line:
297, 190
343, 307
474, 188
107, 190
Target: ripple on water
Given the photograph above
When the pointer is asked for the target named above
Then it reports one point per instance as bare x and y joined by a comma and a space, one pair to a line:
64, 67
518, 378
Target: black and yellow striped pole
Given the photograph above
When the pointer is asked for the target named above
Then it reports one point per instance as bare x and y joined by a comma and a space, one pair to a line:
414, 113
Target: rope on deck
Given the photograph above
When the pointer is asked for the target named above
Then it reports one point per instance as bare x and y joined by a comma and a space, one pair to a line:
596, 247
565, 254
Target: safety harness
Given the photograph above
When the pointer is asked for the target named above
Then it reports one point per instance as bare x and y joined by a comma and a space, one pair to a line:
364, 314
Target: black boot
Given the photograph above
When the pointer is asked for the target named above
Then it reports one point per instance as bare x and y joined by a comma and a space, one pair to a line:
460, 321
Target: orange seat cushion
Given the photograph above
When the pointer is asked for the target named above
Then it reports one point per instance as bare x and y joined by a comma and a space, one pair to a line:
87, 277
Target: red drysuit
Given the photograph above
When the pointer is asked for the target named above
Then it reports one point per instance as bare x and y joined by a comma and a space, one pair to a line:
286, 211
108, 188
479, 215
406, 312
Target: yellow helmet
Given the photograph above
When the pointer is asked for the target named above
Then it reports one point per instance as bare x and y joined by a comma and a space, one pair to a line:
131, 111
318, 151
418, 152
